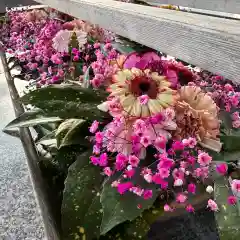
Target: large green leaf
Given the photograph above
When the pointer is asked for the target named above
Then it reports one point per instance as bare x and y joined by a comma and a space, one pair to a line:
120, 208
230, 142
227, 217
31, 118
72, 131
81, 207
64, 93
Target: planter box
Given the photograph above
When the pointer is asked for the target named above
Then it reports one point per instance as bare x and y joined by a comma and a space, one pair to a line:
178, 225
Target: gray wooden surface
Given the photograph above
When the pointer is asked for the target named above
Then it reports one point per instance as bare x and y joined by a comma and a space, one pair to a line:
232, 6
208, 42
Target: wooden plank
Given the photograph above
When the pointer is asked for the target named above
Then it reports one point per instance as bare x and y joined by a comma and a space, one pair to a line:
231, 6
208, 42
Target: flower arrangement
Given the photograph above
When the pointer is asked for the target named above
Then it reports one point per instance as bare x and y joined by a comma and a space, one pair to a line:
132, 136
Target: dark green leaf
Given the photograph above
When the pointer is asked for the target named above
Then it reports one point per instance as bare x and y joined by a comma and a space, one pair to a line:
63, 93
120, 208
227, 217
31, 118
81, 208
225, 156
71, 132
230, 143
48, 136
123, 48
66, 110
14, 133
67, 155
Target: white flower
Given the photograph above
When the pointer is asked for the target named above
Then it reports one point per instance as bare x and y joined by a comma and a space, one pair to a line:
63, 37
209, 189
178, 182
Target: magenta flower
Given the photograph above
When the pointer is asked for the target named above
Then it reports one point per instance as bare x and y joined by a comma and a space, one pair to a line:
232, 200
124, 187
139, 60
192, 188
147, 194
222, 168
190, 208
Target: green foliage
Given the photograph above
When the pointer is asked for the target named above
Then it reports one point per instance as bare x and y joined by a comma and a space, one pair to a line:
71, 132
31, 118
67, 101
81, 207
227, 217
120, 208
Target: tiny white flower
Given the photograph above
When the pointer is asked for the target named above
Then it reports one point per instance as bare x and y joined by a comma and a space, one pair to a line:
209, 189
178, 182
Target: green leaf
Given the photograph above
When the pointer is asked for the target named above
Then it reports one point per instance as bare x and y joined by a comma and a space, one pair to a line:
230, 142
67, 101
81, 208
123, 48
48, 136
67, 155
227, 217
63, 93
120, 208
31, 118
71, 132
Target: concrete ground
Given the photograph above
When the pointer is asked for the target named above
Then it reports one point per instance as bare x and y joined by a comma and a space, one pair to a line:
19, 213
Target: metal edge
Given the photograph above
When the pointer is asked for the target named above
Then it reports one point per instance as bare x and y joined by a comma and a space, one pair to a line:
51, 230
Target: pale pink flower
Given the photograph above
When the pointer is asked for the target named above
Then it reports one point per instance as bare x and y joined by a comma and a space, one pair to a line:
107, 171
236, 124
160, 143
178, 174
137, 190
145, 141
63, 37
178, 182
144, 99
204, 159
181, 198
94, 126
133, 160
235, 185
167, 208
148, 177
164, 173
235, 116
212, 205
